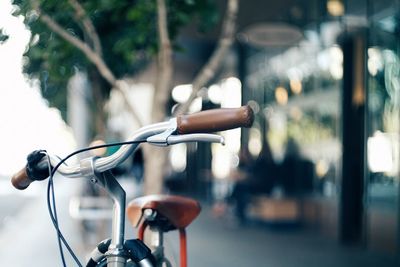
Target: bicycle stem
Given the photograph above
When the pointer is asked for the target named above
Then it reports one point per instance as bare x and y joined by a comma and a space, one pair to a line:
116, 254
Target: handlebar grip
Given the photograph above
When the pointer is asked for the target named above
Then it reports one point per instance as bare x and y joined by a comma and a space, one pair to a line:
21, 180
215, 120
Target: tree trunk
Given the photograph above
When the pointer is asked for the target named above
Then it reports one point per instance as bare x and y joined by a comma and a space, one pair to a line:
155, 157
99, 115
225, 41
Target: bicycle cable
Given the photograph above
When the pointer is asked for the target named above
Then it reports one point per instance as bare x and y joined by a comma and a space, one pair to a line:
55, 212
51, 203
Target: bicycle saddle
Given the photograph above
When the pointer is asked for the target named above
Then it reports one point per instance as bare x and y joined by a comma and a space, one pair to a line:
173, 212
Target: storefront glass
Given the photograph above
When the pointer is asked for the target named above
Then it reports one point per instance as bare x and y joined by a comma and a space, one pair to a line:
296, 93
295, 90
384, 125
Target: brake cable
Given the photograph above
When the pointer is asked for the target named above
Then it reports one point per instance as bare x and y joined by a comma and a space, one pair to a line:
51, 203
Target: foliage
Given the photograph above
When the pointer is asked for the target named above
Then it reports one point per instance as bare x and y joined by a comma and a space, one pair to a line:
127, 31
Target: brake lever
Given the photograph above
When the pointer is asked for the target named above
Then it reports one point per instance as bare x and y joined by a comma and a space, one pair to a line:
185, 138
166, 140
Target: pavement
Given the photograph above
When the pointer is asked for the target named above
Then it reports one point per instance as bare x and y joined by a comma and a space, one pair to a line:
27, 235
27, 238
218, 242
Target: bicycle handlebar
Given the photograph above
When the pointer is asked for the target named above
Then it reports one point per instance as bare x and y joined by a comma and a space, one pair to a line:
214, 120
201, 122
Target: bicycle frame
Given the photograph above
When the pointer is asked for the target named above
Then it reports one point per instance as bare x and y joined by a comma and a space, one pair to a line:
98, 169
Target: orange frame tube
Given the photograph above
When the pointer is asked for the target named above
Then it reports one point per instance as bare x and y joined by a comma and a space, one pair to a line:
183, 247
182, 241
141, 230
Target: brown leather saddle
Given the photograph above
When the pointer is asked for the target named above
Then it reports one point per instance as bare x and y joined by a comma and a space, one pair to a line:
172, 212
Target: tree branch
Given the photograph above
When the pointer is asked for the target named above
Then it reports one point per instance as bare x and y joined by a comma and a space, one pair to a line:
82, 46
92, 56
88, 26
224, 43
163, 83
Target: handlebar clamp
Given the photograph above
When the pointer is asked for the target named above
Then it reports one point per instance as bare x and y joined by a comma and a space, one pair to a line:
87, 166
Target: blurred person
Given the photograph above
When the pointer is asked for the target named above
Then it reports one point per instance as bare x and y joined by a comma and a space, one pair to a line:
236, 175
137, 166
244, 167
258, 177
135, 174
296, 173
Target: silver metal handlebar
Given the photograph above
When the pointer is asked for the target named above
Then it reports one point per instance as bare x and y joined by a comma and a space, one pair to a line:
160, 134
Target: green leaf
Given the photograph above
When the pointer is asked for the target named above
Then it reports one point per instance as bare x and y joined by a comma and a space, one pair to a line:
190, 2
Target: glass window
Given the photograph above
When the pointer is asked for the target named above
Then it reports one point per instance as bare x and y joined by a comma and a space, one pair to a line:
383, 145
296, 90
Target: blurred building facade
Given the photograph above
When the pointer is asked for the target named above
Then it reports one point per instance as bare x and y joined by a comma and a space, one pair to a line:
322, 74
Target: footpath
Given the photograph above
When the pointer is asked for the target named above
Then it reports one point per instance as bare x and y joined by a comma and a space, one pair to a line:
217, 242
28, 238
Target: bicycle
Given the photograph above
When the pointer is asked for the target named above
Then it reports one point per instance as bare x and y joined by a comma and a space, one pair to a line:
159, 213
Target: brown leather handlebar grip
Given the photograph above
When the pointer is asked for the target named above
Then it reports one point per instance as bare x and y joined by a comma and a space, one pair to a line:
20, 180
214, 120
